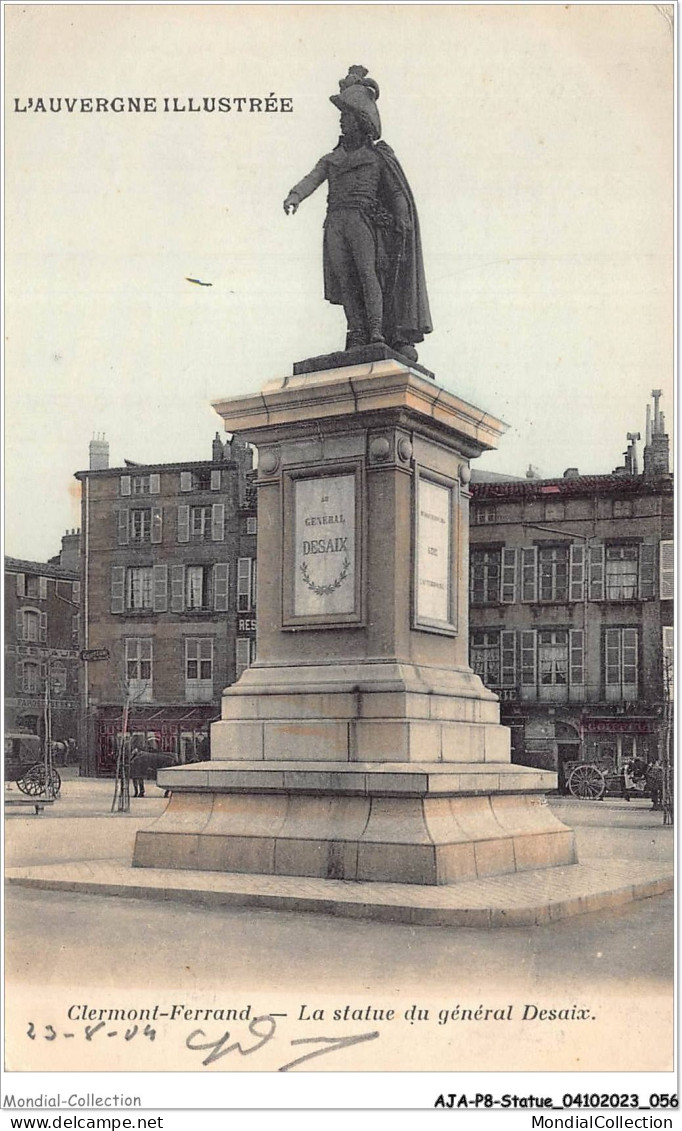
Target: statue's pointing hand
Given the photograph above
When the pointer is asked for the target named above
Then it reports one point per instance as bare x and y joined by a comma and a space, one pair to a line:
291, 203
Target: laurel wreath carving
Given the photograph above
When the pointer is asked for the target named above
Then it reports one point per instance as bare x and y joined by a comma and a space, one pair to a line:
323, 590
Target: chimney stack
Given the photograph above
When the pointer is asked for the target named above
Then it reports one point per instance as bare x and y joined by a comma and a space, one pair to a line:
99, 452
69, 557
657, 449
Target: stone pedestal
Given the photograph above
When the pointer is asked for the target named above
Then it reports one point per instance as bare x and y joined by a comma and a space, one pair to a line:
360, 745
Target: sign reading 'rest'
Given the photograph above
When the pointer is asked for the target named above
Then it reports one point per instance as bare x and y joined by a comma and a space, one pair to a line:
324, 552
433, 552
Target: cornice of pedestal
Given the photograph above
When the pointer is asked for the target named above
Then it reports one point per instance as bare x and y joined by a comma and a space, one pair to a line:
356, 393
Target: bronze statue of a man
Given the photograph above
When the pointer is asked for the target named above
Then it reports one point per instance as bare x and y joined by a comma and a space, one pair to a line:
372, 251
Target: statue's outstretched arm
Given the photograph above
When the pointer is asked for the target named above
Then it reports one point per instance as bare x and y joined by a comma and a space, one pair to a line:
305, 187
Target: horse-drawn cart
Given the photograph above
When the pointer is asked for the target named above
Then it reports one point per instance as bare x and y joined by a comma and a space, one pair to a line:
592, 781
25, 765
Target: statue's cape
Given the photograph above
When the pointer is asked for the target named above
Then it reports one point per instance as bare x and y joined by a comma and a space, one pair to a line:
406, 304
400, 266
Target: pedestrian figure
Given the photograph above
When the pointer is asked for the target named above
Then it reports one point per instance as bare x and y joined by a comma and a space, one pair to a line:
137, 769
654, 781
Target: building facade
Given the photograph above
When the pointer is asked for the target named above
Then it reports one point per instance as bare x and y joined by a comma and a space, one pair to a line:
168, 570
571, 609
42, 627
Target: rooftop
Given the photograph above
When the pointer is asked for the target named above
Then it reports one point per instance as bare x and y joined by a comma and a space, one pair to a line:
40, 569
572, 487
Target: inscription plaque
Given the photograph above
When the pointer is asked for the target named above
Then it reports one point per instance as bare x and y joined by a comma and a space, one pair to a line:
324, 546
433, 559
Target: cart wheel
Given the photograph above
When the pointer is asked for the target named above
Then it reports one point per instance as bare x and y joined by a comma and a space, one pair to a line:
587, 783
33, 781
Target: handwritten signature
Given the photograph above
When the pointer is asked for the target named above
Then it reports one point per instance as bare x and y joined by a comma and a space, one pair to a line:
221, 1047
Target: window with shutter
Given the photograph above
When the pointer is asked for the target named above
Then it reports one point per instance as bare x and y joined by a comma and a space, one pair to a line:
596, 573
155, 484
621, 663
160, 588
157, 524
125, 484
118, 575
215, 479
183, 523
218, 522
139, 668
577, 567
177, 573
485, 655
199, 669
667, 570
529, 573
186, 481
221, 577
31, 680
243, 585
42, 588
508, 576
242, 654
485, 576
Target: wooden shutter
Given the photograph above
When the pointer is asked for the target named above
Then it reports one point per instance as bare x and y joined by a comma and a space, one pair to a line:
177, 574
43, 627
576, 657
218, 522
183, 523
221, 580
125, 484
21, 584
21, 625
529, 573
157, 524
160, 588
123, 526
118, 580
185, 480
42, 588
215, 479
577, 575
155, 483
596, 573
508, 658
76, 592
667, 571
668, 661
529, 659
508, 591
647, 570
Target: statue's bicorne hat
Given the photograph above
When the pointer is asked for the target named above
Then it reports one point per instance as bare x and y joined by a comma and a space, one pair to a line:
359, 93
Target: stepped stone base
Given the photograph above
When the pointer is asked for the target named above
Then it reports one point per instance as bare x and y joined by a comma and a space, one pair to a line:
431, 823
523, 900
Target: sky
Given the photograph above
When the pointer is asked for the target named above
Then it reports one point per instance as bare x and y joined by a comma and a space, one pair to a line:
538, 142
